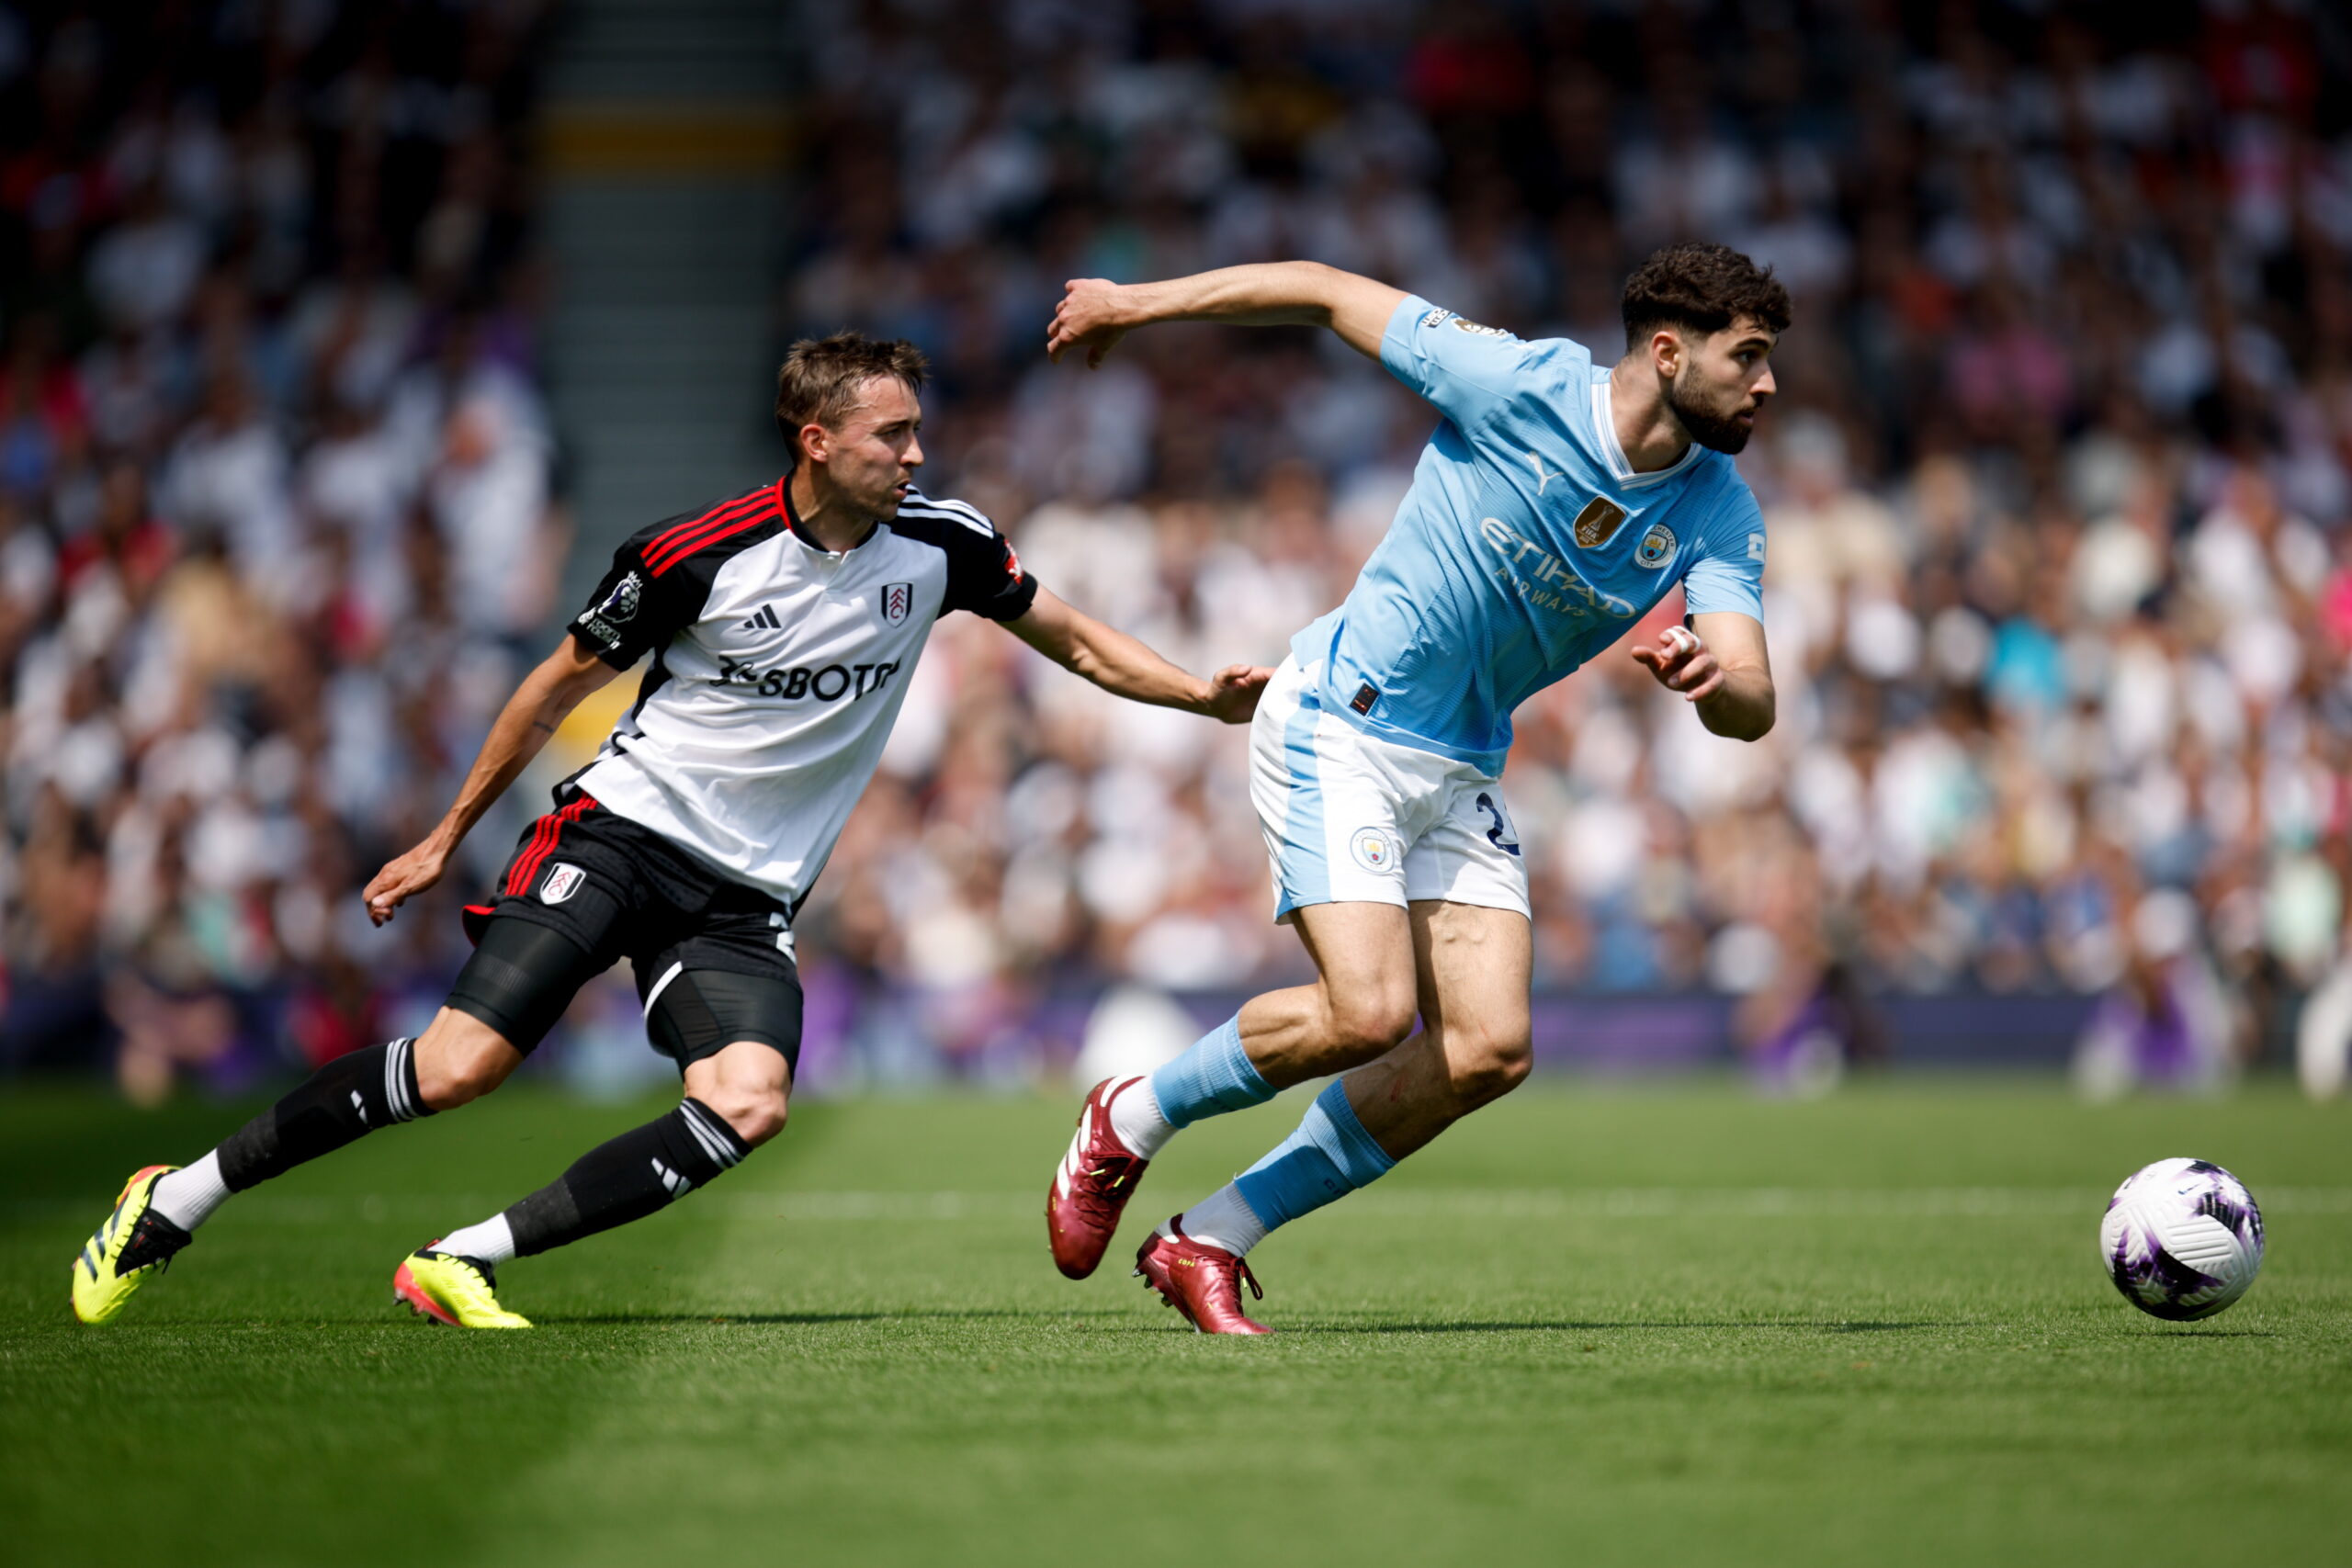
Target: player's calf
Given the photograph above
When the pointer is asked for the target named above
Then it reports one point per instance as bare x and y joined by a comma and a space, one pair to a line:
159, 1212
626, 1179
509, 994
736, 1099
344, 1100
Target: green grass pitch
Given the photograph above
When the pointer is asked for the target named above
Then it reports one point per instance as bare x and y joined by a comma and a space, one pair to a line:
1595, 1327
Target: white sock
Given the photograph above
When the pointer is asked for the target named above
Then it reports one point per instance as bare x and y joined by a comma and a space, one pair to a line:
1224, 1219
188, 1196
493, 1241
1136, 1118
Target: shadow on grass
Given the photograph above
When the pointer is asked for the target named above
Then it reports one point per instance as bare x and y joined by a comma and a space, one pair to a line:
1564, 1325
1120, 1322
1108, 1321
803, 1318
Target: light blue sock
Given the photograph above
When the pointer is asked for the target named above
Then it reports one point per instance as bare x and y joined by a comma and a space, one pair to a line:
1210, 1078
1329, 1156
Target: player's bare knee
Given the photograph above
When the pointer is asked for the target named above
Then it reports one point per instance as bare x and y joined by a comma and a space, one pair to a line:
1367, 1025
755, 1114
460, 1059
747, 1086
1491, 1068
457, 1078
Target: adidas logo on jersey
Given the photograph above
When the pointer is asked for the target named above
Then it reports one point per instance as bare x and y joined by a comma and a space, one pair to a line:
764, 621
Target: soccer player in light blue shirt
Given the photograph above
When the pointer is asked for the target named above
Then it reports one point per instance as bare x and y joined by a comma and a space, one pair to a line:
1557, 501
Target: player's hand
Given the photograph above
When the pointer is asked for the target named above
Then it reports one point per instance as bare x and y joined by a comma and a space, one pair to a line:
403, 879
1233, 692
1088, 317
1681, 663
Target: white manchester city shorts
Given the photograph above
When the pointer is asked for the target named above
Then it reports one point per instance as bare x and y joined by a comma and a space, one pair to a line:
1350, 817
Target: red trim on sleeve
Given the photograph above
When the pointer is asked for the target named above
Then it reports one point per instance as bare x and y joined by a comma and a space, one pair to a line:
696, 546
660, 556
672, 535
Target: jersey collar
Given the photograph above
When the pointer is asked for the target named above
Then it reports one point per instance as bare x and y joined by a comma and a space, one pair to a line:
1604, 420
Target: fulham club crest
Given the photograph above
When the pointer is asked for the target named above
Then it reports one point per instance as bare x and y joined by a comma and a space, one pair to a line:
897, 600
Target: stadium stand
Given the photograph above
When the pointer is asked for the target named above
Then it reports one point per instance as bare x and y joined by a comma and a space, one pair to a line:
2058, 484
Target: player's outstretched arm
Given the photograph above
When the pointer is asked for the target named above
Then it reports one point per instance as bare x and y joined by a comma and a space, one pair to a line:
1095, 313
545, 697
1121, 665
1720, 666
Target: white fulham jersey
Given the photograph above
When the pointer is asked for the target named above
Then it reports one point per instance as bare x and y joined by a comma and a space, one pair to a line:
778, 668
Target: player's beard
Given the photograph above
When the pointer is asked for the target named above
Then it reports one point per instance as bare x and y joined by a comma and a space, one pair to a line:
1717, 432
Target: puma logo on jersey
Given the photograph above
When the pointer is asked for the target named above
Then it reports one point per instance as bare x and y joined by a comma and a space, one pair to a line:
764, 621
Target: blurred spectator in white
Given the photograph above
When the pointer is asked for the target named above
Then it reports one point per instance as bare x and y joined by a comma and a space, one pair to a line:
489, 496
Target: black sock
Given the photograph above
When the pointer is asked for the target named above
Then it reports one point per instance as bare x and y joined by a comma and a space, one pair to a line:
644, 1169
342, 1102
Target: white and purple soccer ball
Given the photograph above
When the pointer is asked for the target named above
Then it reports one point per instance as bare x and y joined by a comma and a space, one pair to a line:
2182, 1239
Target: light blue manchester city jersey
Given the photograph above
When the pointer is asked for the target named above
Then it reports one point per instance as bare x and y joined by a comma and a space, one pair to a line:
1526, 545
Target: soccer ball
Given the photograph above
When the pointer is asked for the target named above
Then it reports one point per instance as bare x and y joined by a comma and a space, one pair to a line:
2182, 1239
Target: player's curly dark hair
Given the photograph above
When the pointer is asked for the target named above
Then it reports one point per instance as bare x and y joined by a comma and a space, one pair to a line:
819, 380
1703, 289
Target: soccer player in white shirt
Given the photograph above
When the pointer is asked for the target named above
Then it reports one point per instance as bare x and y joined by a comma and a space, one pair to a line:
782, 624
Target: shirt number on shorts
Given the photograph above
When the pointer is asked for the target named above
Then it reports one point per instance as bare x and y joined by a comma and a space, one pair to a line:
1503, 825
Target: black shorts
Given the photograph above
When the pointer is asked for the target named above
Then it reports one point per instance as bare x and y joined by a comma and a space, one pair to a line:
587, 887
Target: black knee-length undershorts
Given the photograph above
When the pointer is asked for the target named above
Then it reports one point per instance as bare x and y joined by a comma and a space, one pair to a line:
587, 887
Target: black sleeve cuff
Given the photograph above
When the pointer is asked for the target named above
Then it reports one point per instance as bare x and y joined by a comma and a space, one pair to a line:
1013, 605
617, 657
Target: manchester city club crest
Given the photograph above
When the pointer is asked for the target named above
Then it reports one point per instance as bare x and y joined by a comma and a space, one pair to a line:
1599, 522
621, 603
1375, 850
897, 601
1656, 547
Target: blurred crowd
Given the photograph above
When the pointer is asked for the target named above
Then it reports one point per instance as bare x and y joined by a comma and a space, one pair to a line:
275, 526
2057, 489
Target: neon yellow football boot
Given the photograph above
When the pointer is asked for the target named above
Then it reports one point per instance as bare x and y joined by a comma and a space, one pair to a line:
459, 1291
131, 1246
